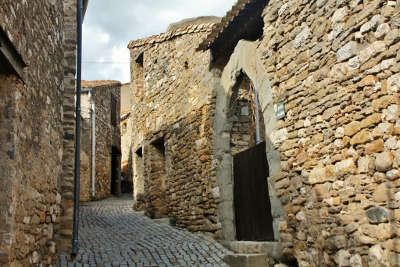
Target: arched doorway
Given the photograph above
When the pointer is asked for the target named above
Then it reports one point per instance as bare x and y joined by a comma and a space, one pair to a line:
243, 68
253, 219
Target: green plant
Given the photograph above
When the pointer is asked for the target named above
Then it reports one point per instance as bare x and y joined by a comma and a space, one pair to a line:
172, 221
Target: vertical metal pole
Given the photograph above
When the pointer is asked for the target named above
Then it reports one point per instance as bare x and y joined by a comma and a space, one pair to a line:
257, 116
75, 247
93, 149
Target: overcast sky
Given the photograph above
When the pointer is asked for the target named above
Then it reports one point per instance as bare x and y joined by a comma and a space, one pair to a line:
110, 25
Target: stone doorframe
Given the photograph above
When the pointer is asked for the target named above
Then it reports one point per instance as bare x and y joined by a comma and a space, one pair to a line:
243, 60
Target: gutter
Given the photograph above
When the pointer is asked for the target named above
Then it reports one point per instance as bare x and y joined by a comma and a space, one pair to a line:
256, 115
93, 191
93, 131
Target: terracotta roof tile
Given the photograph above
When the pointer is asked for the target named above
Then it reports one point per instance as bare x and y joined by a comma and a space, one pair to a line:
206, 27
96, 83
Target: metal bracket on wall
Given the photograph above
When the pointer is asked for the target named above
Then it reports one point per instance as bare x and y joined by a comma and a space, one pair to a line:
10, 59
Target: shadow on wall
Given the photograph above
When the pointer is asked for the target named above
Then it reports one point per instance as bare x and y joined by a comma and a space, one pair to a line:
177, 172
127, 182
7, 104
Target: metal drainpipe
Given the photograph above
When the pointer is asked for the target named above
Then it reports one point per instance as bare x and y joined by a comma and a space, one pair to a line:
257, 115
75, 246
93, 149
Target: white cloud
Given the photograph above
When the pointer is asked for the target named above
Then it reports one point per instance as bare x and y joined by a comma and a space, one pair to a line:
104, 38
110, 25
121, 54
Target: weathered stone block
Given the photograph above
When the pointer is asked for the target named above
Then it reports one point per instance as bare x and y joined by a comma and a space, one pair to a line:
371, 120
347, 51
374, 147
377, 215
361, 138
322, 174
352, 128
383, 102
384, 161
247, 260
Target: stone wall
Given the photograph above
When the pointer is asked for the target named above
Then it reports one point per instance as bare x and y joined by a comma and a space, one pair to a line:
66, 186
126, 147
242, 113
126, 131
172, 118
333, 158
86, 155
107, 135
31, 134
126, 98
6, 167
335, 65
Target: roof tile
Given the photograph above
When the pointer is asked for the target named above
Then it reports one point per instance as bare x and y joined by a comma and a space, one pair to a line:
170, 35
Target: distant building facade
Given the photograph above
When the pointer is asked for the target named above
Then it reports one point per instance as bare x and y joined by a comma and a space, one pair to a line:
126, 136
100, 142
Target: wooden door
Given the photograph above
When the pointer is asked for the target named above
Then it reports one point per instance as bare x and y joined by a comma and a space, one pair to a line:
251, 197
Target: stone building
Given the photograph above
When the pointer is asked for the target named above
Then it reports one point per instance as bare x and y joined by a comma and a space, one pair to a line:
100, 141
126, 132
171, 121
326, 76
37, 85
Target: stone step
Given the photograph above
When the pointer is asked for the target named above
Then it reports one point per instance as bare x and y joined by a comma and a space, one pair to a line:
270, 248
162, 220
248, 260
140, 213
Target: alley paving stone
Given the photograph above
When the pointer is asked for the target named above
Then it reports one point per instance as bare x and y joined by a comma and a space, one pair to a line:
112, 234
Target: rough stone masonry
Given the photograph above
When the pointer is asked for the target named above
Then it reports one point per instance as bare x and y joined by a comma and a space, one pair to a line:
171, 122
334, 158
37, 125
335, 64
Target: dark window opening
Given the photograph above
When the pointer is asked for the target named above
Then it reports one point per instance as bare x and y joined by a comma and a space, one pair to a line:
139, 59
138, 74
159, 144
292, 263
139, 152
113, 110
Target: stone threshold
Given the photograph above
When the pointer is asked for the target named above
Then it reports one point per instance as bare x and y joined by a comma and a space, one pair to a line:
269, 248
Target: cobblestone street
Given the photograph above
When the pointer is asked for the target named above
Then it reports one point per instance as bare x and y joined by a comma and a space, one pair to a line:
112, 234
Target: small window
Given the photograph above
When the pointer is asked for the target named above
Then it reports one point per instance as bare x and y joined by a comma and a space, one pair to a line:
139, 152
139, 59
159, 145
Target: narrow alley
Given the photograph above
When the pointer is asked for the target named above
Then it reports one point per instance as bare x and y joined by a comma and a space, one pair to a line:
244, 133
113, 234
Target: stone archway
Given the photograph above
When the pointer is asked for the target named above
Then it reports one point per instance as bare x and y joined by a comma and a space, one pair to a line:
243, 60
